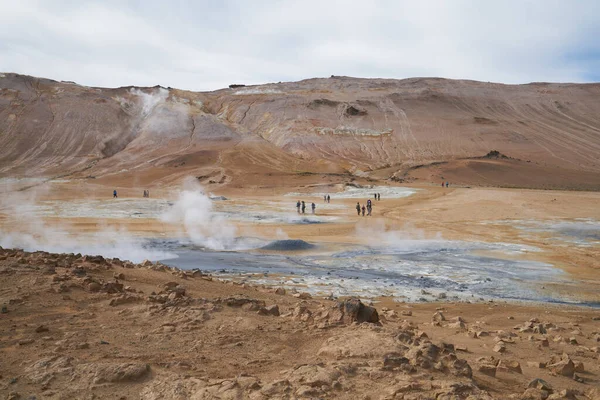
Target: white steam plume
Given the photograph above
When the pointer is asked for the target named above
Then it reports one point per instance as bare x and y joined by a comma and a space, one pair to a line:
23, 229
193, 210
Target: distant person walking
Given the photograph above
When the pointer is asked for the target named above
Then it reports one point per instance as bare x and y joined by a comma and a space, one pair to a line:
114, 194
328, 199
303, 207
447, 183
442, 184
324, 198
313, 206
363, 211
375, 196
358, 208
298, 206
378, 196
369, 209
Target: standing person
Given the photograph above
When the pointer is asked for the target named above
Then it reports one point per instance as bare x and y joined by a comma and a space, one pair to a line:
115, 194
148, 193
358, 208
363, 210
298, 206
325, 198
313, 206
378, 196
446, 183
328, 199
375, 196
442, 183
369, 209
303, 207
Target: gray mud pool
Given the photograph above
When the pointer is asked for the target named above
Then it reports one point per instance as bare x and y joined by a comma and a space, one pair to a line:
414, 270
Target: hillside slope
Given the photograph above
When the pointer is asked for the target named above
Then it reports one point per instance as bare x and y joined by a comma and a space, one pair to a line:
365, 127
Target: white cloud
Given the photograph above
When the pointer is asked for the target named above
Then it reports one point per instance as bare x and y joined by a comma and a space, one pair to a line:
208, 45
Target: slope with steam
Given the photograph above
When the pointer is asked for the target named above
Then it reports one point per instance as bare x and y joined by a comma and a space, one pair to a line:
332, 125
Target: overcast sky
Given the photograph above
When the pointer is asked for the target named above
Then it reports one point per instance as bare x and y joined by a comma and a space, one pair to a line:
205, 45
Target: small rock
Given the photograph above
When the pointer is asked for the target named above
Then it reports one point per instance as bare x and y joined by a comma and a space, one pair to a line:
41, 328
25, 342
579, 367
572, 340
541, 384
303, 296
94, 287
438, 317
536, 364
578, 378
500, 347
120, 276
407, 313
280, 291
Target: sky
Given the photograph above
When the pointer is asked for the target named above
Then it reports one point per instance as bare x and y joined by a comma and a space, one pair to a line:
207, 45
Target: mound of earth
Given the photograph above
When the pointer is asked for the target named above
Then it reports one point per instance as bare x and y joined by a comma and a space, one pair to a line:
288, 245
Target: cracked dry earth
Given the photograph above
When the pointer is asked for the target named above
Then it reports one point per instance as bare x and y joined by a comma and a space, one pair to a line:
77, 327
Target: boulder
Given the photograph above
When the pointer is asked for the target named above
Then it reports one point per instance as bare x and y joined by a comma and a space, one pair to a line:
355, 311
280, 291
534, 394
563, 367
438, 317
512, 366
565, 394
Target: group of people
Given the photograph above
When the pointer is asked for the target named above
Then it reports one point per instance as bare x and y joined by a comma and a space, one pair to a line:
146, 193
326, 198
301, 207
368, 207
446, 184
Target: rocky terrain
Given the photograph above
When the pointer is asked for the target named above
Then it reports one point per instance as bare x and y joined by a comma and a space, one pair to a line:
372, 128
86, 327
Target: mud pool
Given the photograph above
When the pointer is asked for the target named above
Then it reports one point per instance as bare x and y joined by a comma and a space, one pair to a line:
420, 270
581, 232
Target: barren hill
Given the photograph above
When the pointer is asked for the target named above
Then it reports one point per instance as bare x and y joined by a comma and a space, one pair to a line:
377, 128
